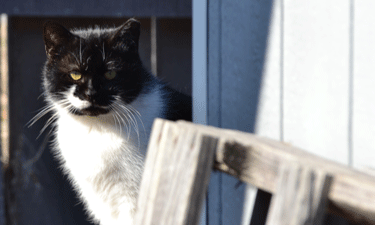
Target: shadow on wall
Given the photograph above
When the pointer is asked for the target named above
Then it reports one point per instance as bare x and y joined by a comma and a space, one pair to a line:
237, 43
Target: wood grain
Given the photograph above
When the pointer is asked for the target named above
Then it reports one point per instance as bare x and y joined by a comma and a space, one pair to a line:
256, 160
177, 170
4, 72
300, 198
178, 167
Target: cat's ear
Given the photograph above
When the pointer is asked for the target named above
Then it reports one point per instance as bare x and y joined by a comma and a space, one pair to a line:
127, 35
55, 36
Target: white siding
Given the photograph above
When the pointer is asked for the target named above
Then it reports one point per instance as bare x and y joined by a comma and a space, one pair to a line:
364, 85
316, 76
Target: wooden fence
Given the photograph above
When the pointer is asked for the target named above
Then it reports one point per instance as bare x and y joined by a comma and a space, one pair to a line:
181, 156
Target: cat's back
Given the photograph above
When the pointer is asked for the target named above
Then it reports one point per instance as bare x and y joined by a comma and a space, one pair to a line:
178, 105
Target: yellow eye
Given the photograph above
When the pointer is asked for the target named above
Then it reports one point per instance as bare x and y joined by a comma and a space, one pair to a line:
75, 75
110, 75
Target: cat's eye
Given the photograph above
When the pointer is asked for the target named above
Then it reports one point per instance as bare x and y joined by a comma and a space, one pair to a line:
110, 75
75, 75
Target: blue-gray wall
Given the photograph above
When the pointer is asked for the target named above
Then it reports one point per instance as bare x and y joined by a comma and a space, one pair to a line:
98, 8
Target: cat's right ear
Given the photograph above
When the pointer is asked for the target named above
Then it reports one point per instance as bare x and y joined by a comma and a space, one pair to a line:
55, 36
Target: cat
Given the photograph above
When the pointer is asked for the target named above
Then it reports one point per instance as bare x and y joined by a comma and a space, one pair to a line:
104, 102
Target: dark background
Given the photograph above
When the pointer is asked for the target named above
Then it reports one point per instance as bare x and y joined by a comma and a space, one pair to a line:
36, 190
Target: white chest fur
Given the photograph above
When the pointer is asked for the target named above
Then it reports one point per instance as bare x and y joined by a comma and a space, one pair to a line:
105, 161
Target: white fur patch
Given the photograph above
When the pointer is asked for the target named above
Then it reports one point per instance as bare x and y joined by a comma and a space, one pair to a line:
75, 101
105, 160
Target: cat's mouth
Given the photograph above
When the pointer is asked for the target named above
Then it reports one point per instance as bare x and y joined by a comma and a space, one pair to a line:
91, 111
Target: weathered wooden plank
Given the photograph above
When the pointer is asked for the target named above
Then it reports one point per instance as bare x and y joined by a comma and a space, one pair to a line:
3, 219
256, 160
98, 8
177, 170
300, 198
4, 72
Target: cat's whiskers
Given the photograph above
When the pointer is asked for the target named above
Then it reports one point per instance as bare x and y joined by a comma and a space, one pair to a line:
74, 57
49, 122
43, 94
121, 116
80, 50
131, 110
138, 114
87, 63
119, 122
103, 53
122, 120
44, 110
116, 118
88, 59
132, 119
129, 114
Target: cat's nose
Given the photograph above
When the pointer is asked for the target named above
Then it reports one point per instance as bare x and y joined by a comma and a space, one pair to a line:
90, 92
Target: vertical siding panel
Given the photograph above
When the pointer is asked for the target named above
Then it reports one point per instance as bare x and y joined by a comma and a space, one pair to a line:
199, 59
268, 116
249, 97
316, 76
200, 74
364, 85
213, 102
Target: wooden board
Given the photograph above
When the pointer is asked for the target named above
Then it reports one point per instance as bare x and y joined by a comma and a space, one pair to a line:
256, 160
301, 196
4, 73
177, 169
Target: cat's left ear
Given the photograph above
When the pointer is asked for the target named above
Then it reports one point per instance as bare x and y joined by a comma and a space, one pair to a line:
127, 35
55, 36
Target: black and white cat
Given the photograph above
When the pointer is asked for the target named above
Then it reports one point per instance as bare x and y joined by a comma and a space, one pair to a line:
104, 102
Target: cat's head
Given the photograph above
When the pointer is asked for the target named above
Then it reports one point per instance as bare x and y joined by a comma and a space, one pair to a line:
87, 70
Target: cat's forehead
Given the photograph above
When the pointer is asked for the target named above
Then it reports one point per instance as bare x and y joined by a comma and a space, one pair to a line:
92, 39
93, 50
91, 43
87, 54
